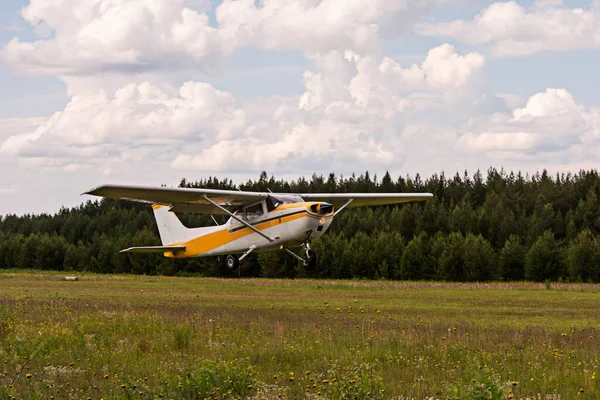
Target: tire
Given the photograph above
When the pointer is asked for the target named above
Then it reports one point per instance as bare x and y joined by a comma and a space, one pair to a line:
311, 259
232, 261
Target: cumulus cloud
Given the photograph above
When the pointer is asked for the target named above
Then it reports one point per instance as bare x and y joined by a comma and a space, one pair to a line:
15, 126
513, 30
382, 83
550, 122
317, 26
134, 36
136, 118
99, 36
350, 112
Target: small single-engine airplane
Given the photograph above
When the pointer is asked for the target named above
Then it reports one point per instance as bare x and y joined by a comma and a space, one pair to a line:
259, 221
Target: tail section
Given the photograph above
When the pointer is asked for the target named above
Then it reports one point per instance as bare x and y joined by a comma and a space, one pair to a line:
170, 228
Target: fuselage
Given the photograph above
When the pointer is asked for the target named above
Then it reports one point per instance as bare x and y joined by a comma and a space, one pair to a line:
288, 224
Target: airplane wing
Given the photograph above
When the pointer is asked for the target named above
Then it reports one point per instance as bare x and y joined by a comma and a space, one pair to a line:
366, 199
181, 199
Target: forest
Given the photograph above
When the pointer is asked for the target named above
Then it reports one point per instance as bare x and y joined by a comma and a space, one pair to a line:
504, 226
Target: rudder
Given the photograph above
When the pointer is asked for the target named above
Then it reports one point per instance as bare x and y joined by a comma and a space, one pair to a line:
170, 228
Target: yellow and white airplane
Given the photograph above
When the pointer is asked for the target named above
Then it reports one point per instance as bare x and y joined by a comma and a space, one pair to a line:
259, 221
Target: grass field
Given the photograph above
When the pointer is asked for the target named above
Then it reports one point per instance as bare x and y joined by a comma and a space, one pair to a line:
118, 337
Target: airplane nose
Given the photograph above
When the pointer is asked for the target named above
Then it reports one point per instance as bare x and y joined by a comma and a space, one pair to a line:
325, 208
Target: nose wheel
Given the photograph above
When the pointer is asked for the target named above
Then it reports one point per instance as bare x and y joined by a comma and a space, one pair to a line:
309, 261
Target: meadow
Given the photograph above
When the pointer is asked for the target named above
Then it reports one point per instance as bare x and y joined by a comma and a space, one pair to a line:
142, 337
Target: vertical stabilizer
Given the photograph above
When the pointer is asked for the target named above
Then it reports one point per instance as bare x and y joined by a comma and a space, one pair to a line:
170, 228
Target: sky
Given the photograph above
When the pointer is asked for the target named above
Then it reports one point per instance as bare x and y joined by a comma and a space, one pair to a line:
148, 92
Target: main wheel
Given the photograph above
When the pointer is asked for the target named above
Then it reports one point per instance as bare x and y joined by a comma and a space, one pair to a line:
232, 261
311, 259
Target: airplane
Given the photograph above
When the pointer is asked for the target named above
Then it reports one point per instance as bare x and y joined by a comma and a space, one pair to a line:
258, 221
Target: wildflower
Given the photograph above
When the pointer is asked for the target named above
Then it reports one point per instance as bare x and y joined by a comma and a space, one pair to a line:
28, 376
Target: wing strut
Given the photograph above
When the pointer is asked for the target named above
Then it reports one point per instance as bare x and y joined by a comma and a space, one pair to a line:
226, 211
342, 207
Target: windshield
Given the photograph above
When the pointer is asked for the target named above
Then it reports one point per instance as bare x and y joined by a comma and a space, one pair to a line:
288, 198
275, 201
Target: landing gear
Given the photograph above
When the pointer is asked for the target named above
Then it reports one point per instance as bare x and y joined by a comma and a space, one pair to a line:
310, 259
231, 261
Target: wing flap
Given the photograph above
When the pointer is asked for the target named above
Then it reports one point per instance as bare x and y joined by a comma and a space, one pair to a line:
153, 249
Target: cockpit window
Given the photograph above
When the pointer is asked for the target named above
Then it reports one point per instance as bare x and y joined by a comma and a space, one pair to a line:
275, 201
254, 211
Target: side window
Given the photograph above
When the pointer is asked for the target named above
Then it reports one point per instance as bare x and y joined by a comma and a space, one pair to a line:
254, 211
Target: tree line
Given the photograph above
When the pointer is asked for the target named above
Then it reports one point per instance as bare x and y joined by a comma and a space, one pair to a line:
504, 226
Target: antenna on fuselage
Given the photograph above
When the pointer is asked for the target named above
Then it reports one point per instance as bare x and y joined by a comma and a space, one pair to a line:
269, 190
213, 218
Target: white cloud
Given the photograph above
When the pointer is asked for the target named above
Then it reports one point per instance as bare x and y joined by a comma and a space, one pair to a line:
15, 126
131, 124
382, 83
360, 108
351, 112
10, 189
512, 30
550, 123
317, 26
100, 36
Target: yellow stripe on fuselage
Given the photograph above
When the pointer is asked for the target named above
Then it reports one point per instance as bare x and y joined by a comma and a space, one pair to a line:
211, 241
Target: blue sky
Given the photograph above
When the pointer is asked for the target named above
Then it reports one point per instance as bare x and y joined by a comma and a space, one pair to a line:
257, 91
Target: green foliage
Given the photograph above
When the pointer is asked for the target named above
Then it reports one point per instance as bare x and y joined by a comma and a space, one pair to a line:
141, 337
353, 382
182, 337
583, 258
415, 262
512, 259
480, 261
544, 260
475, 228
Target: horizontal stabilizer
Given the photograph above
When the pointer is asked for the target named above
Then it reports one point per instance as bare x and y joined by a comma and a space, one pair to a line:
153, 249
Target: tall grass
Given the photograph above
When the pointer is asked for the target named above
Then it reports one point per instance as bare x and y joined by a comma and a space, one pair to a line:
139, 337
